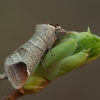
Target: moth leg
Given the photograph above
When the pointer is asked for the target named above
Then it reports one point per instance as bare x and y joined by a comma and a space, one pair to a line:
43, 57
50, 51
42, 61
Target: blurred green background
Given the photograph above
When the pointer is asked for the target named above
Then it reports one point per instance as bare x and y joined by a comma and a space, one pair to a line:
17, 24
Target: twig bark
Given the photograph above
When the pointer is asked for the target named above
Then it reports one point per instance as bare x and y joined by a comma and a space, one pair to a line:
3, 76
14, 94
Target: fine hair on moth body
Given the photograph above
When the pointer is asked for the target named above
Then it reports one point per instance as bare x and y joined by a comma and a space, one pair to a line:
19, 65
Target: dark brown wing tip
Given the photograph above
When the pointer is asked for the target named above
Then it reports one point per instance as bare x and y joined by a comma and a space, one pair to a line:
17, 74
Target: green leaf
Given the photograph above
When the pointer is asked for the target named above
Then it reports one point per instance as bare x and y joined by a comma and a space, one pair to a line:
72, 62
60, 51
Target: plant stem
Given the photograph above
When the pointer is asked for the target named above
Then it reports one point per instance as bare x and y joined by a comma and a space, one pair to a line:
14, 94
3, 76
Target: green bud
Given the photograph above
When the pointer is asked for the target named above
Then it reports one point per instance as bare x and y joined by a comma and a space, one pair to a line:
52, 58
72, 62
69, 53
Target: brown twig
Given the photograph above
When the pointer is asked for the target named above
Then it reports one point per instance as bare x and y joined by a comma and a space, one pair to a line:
14, 94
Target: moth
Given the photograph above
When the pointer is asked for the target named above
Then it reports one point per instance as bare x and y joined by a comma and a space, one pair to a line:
19, 65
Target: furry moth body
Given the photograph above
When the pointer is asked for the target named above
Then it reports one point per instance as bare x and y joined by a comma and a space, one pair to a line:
18, 66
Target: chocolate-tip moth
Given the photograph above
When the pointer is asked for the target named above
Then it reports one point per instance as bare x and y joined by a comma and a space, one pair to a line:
19, 65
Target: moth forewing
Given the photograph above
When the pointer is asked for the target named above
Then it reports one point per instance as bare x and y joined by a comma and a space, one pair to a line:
18, 66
